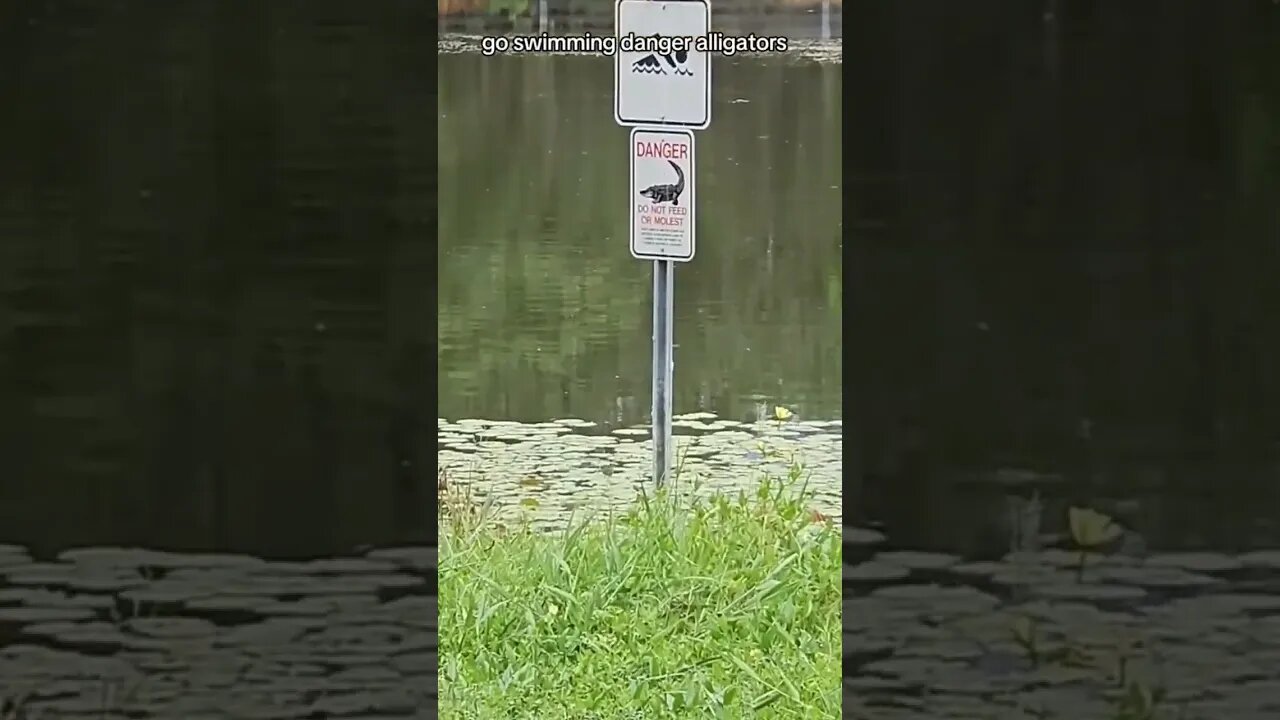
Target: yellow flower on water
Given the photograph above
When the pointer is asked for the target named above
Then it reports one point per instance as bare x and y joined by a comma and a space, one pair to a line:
1090, 528
780, 413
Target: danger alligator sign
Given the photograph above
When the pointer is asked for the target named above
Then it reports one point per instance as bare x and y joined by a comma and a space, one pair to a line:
662, 199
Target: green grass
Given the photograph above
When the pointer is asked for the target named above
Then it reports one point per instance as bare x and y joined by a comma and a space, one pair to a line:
720, 608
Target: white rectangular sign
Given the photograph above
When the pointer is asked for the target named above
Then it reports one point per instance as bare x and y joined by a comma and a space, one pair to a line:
668, 85
662, 199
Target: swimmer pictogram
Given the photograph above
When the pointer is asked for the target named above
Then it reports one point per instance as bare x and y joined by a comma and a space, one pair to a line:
653, 63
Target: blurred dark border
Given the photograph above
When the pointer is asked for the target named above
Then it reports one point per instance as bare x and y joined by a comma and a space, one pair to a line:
241, 133
1088, 172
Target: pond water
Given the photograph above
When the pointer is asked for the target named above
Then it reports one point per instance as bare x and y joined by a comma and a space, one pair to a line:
215, 297
544, 314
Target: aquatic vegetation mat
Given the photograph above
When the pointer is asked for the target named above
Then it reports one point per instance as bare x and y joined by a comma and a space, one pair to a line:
1074, 633
109, 632
551, 470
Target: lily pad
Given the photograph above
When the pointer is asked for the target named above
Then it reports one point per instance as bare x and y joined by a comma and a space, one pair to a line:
919, 560
1261, 559
1090, 591
1156, 577
1196, 561
874, 571
40, 615
861, 536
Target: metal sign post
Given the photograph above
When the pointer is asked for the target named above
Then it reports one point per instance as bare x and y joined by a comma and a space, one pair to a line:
662, 230
664, 366
663, 92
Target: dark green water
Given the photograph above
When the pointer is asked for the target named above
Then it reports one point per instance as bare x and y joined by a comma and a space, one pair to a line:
215, 275
543, 312
1062, 260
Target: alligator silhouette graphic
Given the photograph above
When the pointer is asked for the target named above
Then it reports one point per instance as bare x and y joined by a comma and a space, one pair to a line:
667, 193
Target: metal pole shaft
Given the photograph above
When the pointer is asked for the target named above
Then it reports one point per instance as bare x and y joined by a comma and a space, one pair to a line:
656, 375
668, 442
663, 368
